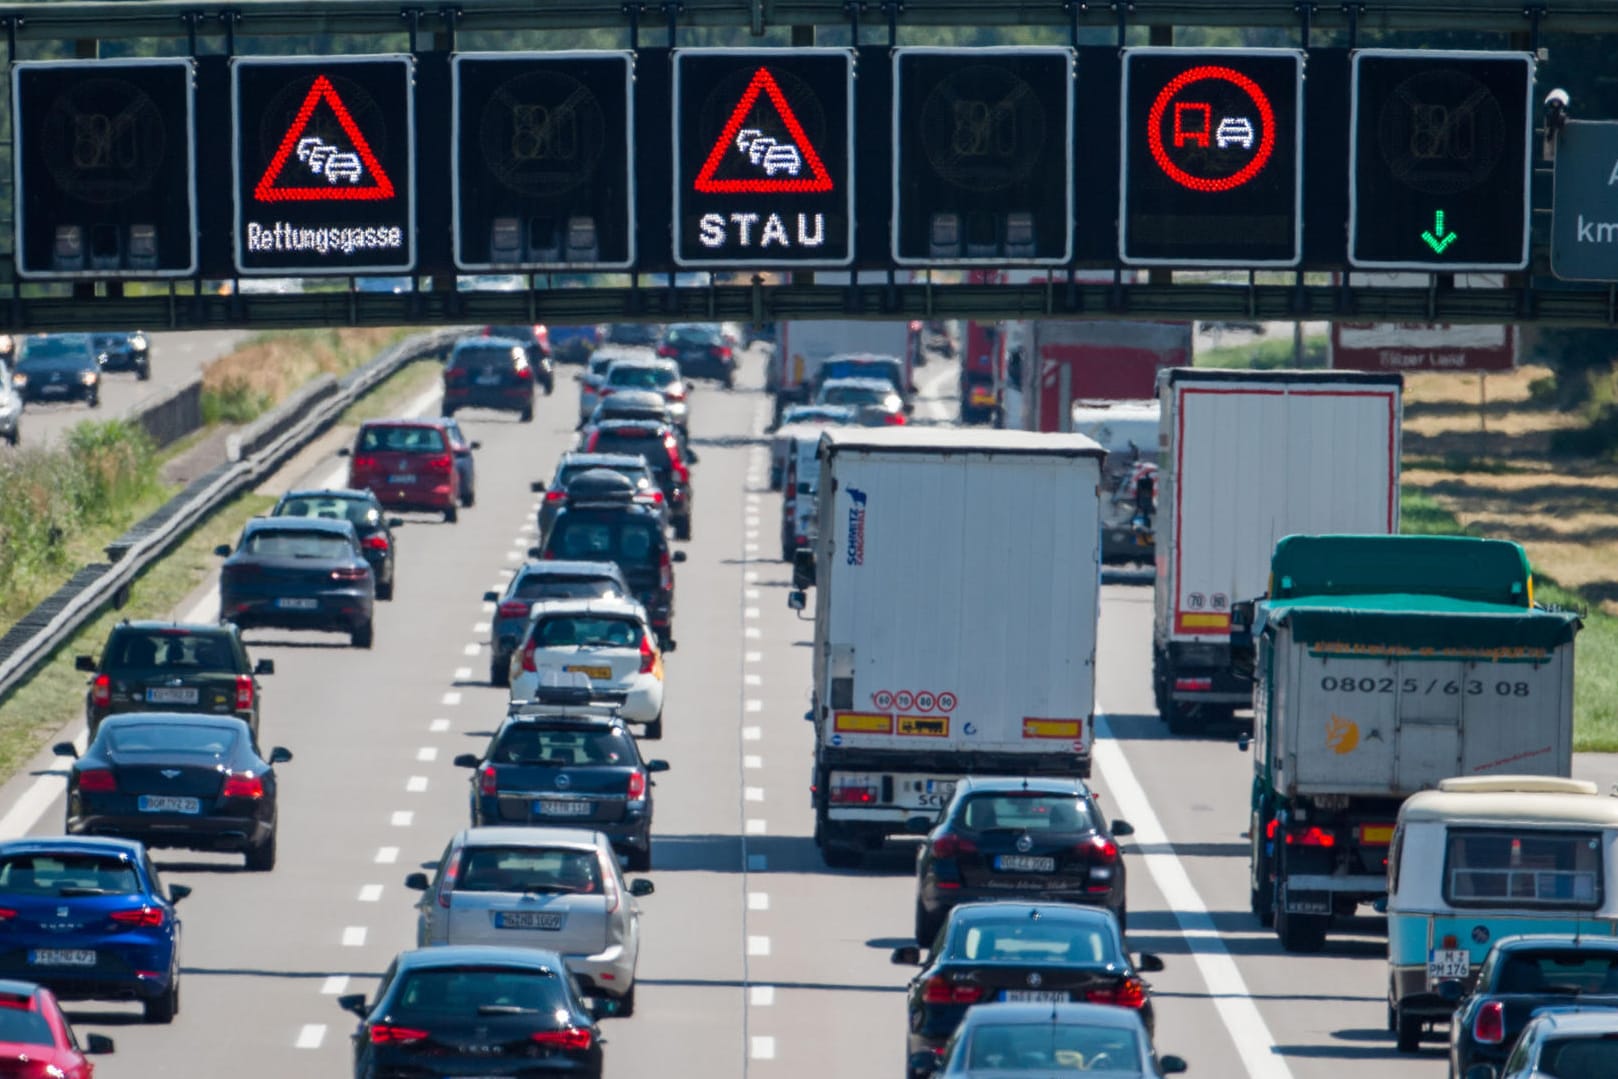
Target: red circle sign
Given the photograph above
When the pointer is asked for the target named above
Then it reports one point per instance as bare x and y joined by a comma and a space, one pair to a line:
905, 700
946, 702
925, 701
1266, 114
882, 698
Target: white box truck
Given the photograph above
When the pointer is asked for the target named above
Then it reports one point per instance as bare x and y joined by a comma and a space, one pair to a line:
957, 588
1247, 458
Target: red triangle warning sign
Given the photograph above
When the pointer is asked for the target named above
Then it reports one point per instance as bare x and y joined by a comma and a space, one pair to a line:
321, 171
782, 166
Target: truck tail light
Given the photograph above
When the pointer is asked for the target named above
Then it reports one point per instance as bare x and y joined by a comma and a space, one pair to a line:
1194, 685
1490, 1025
1311, 837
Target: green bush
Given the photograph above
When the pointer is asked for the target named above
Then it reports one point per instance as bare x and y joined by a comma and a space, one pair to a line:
1272, 354
233, 401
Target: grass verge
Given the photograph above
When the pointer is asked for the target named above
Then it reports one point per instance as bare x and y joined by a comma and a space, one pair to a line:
1595, 678
1267, 355
394, 391
240, 387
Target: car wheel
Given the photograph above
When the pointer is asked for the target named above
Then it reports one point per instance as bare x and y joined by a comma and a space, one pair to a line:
94, 400
640, 861
449, 410
165, 1007
384, 590
499, 670
362, 636
451, 516
550, 386
143, 373
468, 496
13, 435
261, 856
527, 415
682, 527
626, 1004
654, 729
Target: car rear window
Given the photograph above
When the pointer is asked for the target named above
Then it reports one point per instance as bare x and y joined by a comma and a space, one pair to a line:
457, 993
586, 631
55, 348
1578, 1056
693, 335
361, 512
893, 372
631, 333
644, 378
525, 743
49, 874
853, 395
603, 541
22, 1023
1026, 813
1570, 971
170, 649
1024, 940
170, 738
1530, 867
551, 587
315, 545
487, 358
1053, 1047
402, 440
525, 869
634, 440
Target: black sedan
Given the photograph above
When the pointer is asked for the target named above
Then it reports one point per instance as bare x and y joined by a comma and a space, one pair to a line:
362, 510
1013, 838
298, 573
176, 780
1521, 975
1030, 953
124, 351
568, 770
477, 1010
58, 367
701, 351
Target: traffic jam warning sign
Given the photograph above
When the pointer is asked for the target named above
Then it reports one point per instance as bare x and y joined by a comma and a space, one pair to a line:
325, 164
763, 147
1212, 154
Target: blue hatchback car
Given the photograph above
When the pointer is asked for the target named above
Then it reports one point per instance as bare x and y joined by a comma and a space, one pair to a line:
89, 919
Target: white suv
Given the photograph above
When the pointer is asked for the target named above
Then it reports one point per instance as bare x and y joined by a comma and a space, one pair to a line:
609, 641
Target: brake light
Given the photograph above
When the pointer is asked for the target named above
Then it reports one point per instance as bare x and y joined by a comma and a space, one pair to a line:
940, 990
553, 497
1490, 1025
515, 608
101, 690
605, 391
895, 419
1312, 837
528, 657
648, 655
674, 394
637, 786
7, 913
719, 352
666, 350
243, 785
654, 497
573, 1039
524, 372
375, 542
363, 464
97, 781
1129, 993
244, 692
595, 436
1194, 685
488, 780
1100, 849
387, 1034
145, 917
949, 845
665, 572
447, 885
440, 464
453, 374
350, 573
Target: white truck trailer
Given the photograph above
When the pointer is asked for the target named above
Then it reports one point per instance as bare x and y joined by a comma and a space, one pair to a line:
957, 591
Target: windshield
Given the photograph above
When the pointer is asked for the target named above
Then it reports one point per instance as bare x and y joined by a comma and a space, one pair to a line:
643, 378
693, 335
1052, 1047
632, 333
603, 541
855, 395
169, 648
1569, 971
816, 414
1578, 1057
1527, 867
170, 738
402, 440
470, 993
1026, 940
553, 587
526, 743
62, 346
529, 869
312, 545
363, 513
1026, 813
487, 358
586, 631
888, 369
632, 441
61, 873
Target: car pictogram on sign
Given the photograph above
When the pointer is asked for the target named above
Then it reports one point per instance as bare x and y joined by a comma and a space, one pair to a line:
1234, 129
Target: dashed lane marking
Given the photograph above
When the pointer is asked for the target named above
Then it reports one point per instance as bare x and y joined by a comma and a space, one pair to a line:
472, 649
758, 900
751, 593
758, 945
387, 855
751, 612
751, 734
462, 673
754, 794
754, 657
755, 706
751, 576
761, 996
438, 726
416, 784
753, 632
752, 760
335, 985
480, 627
427, 753
402, 818
763, 1047
756, 827
310, 1036
452, 697
514, 556
354, 936
371, 893
753, 679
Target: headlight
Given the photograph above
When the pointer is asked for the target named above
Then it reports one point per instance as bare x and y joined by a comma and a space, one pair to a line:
138, 342
19, 379
88, 378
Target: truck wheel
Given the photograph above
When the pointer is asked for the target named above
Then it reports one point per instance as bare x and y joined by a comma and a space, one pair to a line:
841, 856
1407, 1036
1262, 900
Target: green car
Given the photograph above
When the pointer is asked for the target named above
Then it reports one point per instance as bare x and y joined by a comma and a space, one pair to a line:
173, 667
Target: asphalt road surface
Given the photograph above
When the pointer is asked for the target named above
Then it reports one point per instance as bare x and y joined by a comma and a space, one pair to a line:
177, 358
757, 960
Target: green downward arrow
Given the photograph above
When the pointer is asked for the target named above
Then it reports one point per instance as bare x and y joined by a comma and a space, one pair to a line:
1437, 238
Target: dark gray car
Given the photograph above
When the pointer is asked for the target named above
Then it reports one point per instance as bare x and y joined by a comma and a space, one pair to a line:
298, 573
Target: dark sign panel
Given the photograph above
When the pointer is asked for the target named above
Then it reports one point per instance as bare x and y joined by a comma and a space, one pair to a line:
544, 161
763, 157
325, 164
1439, 160
105, 173
983, 161
1212, 157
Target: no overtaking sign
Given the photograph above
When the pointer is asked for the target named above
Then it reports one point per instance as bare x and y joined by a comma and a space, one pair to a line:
1584, 216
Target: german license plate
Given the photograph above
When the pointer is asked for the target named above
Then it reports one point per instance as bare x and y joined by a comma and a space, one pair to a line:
1034, 996
490, 379
1445, 963
166, 803
548, 808
528, 919
50, 389
171, 695
1024, 863
403, 477
297, 603
600, 674
62, 957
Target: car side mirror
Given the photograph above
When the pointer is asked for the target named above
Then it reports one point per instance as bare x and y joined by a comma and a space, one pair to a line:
264, 666
84, 663
1172, 1065
1244, 741
1122, 828
66, 749
918, 825
640, 886
344, 451
98, 1044
280, 755
1450, 990
907, 956
466, 760
352, 1002
678, 556
657, 766
798, 599
924, 1063
803, 568
533, 552
1149, 963
178, 892
223, 550
416, 882
601, 1007
537, 486
491, 597
395, 522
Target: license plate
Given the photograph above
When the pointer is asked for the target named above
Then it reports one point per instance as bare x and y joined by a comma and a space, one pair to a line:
167, 803
562, 809
297, 603
1034, 996
488, 380
1024, 863
403, 477
171, 695
1445, 963
600, 674
62, 957
528, 919
53, 389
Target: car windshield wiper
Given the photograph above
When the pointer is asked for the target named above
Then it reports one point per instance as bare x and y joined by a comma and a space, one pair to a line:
506, 1009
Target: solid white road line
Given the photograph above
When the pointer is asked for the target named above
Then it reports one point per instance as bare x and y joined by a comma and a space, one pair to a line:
758, 900
310, 1036
335, 985
1237, 1009
416, 784
763, 1047
758, 945
354, 936
387, 855
761, 996
35, 800
371, 893
402, 818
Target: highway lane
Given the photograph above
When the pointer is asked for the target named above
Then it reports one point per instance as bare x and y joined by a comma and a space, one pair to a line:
177, 358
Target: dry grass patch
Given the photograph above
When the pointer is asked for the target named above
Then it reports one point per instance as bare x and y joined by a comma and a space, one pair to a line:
266, 370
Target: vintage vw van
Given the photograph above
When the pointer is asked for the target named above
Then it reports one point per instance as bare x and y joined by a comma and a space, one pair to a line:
1486, 857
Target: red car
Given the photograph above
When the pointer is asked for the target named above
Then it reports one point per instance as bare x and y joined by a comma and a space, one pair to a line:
35, 1039
407, 464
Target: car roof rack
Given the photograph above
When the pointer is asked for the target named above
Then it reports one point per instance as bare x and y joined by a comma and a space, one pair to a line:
566, 689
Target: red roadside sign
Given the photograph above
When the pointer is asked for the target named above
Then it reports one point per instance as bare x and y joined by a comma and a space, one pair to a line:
1422, 346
